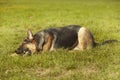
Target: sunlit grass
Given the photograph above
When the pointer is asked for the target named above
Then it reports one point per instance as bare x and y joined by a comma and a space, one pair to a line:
100, 63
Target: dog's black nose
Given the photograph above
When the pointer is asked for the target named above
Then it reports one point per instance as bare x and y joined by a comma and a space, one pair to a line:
18, 51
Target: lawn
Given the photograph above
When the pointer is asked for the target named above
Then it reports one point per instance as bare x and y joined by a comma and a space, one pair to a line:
101, 17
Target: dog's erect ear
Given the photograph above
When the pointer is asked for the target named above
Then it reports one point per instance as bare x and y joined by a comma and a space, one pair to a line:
29, 34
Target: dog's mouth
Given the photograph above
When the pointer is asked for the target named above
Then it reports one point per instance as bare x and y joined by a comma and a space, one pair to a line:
22, 52
27, 53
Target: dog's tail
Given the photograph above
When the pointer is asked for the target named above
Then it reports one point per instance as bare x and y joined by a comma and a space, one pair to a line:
106, 42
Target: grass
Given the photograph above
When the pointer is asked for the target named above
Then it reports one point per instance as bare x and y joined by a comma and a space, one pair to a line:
100, 63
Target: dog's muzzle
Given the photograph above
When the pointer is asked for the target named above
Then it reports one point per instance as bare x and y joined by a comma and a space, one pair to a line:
23, 51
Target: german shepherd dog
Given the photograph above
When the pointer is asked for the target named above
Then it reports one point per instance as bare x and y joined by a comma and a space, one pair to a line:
71, 37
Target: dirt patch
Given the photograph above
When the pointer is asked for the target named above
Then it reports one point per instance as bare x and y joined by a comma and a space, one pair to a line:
90, 69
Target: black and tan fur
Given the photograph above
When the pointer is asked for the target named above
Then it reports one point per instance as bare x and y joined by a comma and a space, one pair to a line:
71, 37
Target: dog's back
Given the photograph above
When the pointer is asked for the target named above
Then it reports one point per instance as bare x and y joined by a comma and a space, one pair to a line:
64, 37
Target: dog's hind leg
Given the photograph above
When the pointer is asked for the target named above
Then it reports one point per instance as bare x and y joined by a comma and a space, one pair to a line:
85, 39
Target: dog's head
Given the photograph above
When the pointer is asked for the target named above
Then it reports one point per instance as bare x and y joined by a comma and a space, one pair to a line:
28, 46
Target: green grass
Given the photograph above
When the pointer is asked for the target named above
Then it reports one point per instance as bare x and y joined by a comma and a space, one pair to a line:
102, 17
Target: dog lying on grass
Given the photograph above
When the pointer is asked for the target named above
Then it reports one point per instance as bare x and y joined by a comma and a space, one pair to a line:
71, 37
